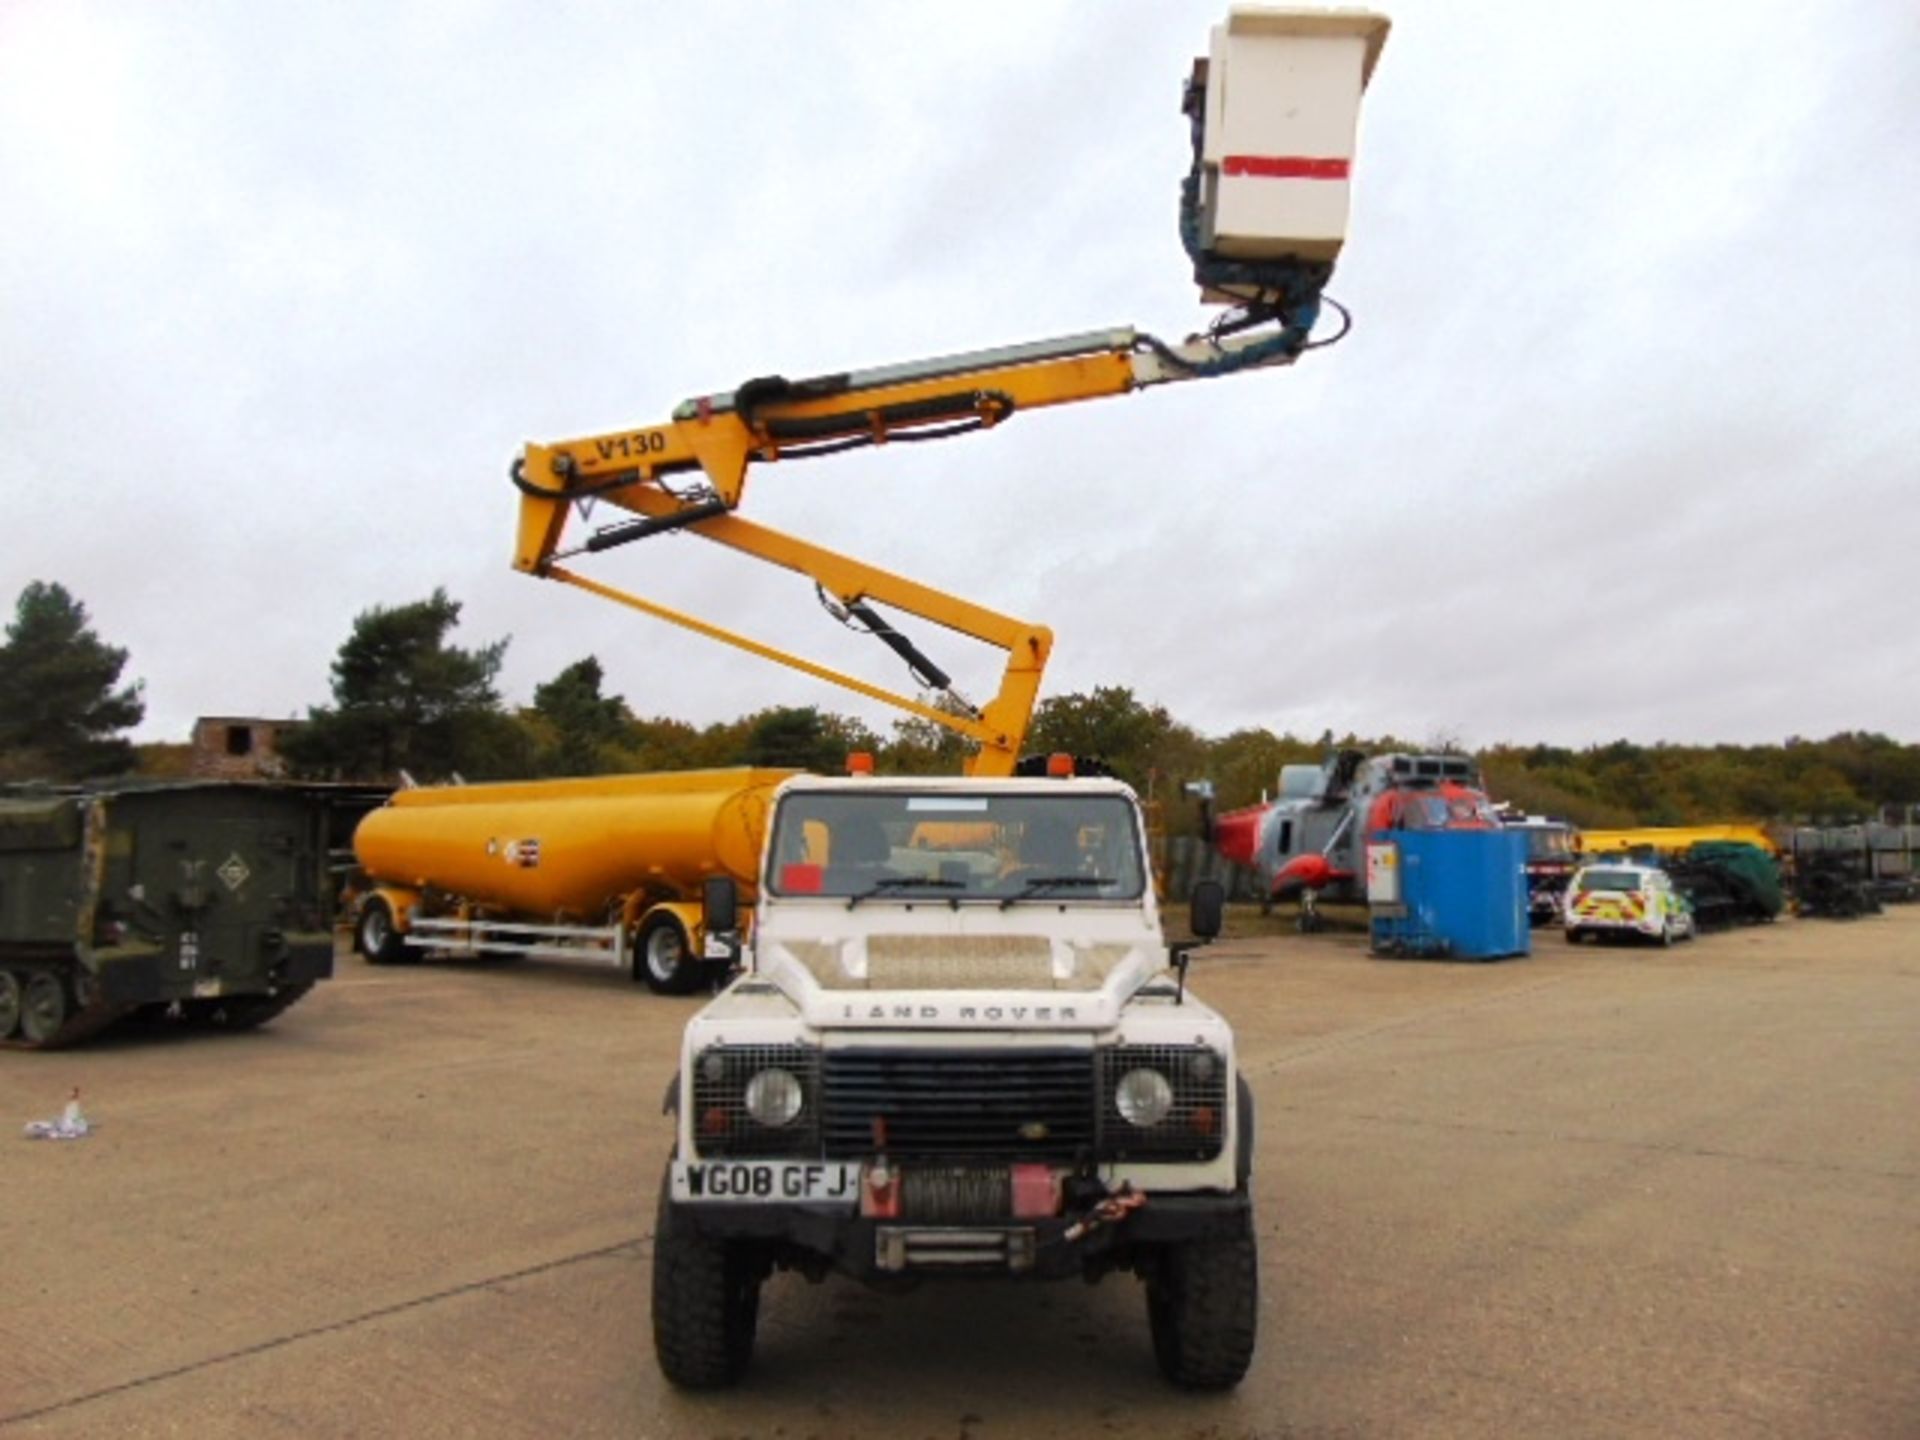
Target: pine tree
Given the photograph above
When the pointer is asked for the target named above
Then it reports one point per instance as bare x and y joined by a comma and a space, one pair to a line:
584, 722
61, 703
406, 700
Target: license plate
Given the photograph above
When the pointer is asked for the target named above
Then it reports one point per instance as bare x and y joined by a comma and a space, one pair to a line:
206, 989
765, 1181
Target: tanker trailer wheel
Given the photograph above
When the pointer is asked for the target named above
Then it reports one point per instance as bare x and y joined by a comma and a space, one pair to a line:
377, 937
43, 1007
663, 957
9, 1002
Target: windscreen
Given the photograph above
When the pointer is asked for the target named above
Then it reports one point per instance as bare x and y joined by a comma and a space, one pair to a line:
1450, 807
950, 846
1545, 843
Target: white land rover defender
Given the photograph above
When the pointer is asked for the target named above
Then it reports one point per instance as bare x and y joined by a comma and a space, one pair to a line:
960, 1046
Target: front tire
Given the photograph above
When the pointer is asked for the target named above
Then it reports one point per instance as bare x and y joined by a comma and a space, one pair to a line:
1203, 1307
378, 938
706, 1303
663, 957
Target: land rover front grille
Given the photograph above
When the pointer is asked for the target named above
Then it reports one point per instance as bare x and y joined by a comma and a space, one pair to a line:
1004, 1105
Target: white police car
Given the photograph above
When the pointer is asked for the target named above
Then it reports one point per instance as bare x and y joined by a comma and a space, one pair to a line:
1619, 899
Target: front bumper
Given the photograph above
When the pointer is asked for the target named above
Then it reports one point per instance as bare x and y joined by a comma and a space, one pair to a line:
874, 1249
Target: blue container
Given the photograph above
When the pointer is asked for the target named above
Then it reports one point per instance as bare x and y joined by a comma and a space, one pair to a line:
1463, 894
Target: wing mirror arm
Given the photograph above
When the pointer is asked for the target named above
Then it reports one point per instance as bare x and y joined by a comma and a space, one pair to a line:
720, 916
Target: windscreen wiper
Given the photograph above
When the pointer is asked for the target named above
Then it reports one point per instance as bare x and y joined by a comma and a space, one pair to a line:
904, 882
1040, 884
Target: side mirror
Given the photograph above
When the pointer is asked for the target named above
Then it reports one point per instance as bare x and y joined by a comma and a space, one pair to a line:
1207, 909
721, 902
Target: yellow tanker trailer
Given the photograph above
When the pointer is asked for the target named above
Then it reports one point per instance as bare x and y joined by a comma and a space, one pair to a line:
609, 867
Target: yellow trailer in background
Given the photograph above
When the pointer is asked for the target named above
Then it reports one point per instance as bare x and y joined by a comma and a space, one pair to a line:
609, 867
1669, 839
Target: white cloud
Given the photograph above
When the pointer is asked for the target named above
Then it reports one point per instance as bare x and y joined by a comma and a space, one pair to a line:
1620, 447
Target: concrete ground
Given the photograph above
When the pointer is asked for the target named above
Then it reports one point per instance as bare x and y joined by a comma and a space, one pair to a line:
1596, 1192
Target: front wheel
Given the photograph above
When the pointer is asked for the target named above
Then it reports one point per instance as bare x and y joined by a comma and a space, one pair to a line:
706, 1303
377, 936
1574, 935
663, 957
1203, 1307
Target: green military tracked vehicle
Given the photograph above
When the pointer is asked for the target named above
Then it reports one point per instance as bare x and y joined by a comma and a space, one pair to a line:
208, 901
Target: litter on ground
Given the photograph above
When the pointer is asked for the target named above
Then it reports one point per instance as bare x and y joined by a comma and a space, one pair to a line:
72, 1124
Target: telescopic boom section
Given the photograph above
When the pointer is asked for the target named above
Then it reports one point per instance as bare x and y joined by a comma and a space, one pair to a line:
719, 436
690, 474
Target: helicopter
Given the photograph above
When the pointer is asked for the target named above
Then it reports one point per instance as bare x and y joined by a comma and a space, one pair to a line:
1309, 842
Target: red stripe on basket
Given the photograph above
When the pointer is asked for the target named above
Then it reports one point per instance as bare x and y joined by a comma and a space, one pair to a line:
1286, 167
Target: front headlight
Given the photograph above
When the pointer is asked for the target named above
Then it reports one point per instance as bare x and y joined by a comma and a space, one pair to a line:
774, 1098
759, 1100
1163, 1102
1143, 1097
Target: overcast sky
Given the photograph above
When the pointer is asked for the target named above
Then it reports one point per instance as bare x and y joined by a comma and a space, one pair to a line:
1623, 443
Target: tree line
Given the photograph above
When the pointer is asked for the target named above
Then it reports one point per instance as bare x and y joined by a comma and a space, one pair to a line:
408, 701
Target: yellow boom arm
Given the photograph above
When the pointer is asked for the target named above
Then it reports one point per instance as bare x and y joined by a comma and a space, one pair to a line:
712, 440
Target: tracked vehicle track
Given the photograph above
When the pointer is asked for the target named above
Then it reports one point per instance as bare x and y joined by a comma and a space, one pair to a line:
37, 1009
